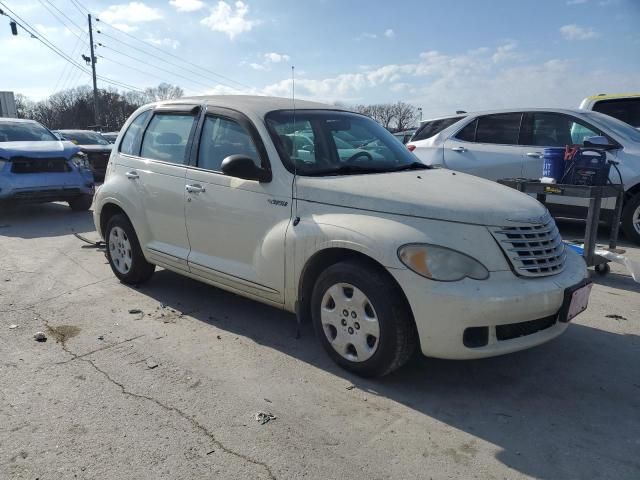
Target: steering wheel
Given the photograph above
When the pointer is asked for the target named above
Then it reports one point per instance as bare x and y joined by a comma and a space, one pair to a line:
358, 155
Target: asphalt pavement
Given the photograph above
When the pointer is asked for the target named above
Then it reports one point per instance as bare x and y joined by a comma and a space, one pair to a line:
164, 381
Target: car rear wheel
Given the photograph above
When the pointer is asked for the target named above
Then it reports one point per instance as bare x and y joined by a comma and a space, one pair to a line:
81, 203
631, 219
361, 319
124, 252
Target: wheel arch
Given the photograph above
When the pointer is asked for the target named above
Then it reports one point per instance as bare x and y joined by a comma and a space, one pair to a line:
322, 260
107, 211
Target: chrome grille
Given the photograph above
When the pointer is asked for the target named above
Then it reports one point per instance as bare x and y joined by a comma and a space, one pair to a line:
535, 250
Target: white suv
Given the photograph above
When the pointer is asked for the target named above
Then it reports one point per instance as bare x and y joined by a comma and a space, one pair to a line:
380, 251
510, 144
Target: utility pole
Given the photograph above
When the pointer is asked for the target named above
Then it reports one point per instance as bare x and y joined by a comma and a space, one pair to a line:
96, 113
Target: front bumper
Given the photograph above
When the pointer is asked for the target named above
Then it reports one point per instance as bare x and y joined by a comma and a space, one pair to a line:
444, 310
45, 187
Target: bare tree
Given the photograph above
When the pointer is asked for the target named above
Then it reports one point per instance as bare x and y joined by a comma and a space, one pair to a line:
23, 105
392, 116
164, 91
405, 116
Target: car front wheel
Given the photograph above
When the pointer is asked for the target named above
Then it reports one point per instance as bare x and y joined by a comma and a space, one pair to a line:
124, 253
361, 319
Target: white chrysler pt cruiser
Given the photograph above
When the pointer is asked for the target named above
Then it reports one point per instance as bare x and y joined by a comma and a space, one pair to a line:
322, 212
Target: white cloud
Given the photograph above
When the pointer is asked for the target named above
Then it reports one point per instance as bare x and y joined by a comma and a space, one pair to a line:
575, 32
163, 42
276, 57
389, 33
505, 52
133, 12
230, 20
470, 81
366, 35
576, 2
125, 28
186, 5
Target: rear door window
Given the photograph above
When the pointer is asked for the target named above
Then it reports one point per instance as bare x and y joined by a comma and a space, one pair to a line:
433, 127
167, 137
625, 109
131, 140
468, 133
221, 138
501, 128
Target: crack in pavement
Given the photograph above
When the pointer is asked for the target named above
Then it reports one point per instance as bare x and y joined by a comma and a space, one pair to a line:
44, 300
107, 347
194, 423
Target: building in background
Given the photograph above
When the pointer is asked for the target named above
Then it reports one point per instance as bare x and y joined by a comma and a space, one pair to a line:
7, 105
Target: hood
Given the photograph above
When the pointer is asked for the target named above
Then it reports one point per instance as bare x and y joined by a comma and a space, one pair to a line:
438, 194
38, 149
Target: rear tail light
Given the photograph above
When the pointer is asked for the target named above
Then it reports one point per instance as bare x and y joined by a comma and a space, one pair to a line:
411, 147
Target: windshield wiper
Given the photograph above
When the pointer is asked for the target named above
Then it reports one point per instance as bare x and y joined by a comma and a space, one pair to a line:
411, 166
347, 169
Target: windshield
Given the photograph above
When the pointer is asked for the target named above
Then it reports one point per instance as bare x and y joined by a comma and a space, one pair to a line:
85, 138
24, 132
614, 125
325, 142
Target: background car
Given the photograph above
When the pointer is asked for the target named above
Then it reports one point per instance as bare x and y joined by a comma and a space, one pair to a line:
623, 106
110, 136
405, 135
510, 144
36, 167
94, 145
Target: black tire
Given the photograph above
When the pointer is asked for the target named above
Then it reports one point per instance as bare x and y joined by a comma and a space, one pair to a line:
398, 337
602, 269
630, 208
140, 270
81, 203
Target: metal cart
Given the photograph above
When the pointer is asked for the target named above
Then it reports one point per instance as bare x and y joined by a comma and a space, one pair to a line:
595, 194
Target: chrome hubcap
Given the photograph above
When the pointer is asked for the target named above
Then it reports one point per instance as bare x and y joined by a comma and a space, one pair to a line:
120, 250
350, 322
635, 219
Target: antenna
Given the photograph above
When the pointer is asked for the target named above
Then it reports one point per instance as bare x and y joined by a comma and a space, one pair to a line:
296, 219
294, 187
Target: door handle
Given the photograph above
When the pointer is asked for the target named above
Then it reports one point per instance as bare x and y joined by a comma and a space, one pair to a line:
195, 188
459, 149
132, 175
534, 154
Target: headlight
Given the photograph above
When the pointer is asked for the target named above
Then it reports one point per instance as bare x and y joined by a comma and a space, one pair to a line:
80, 161
441, 263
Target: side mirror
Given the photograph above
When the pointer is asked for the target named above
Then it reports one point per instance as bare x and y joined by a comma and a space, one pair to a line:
241, 166
598, 141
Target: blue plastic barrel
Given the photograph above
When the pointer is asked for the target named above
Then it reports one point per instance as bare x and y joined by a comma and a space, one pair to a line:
553, 165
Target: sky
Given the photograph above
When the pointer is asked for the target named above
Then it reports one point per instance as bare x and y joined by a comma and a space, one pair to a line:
439, 55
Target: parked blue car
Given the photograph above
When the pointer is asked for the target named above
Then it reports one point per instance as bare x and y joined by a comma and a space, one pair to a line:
36, 167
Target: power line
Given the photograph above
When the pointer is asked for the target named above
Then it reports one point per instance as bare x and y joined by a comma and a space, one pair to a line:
177, 57
61, 13
67, 68
43, 39
78, 7
162, 60
131, 67
155, 66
